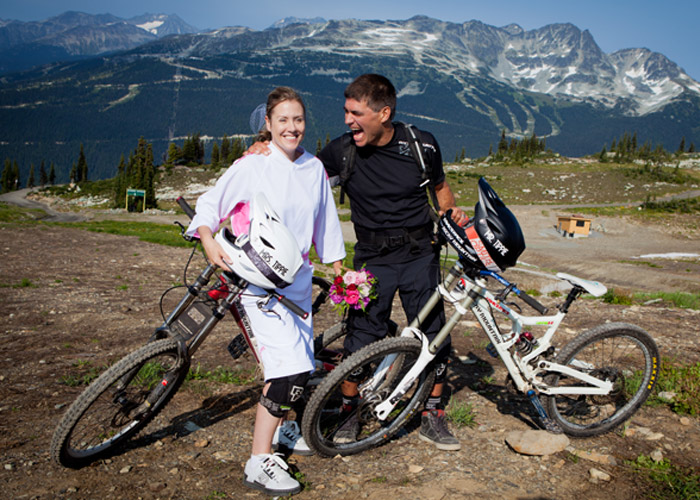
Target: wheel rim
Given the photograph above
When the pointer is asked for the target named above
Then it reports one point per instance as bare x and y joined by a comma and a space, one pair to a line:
622, 360
330, 419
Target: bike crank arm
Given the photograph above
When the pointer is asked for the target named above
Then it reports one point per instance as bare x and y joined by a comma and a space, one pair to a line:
383, 409
600, 387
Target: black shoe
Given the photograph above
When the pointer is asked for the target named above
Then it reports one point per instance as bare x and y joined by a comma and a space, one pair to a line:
347, 433
433, 429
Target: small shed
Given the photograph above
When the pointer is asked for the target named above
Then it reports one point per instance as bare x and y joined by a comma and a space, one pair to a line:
573, 226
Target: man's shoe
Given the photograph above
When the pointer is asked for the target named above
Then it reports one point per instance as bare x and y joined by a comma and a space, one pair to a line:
347, 433
269, 474
433, 429
288, 437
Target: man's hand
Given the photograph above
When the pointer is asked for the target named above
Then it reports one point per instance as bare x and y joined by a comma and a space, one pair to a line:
447, 201
258, 148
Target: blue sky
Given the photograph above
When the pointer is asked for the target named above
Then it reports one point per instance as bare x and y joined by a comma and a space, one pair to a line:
669, 27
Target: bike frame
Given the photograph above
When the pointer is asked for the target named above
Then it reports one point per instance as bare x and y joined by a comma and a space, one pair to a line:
467, 294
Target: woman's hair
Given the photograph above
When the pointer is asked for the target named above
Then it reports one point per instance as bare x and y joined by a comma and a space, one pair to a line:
278, 95
375, 89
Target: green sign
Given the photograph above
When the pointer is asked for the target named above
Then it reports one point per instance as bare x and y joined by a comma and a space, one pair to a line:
136, 192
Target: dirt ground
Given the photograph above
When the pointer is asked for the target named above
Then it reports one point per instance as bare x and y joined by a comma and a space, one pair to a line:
72, 301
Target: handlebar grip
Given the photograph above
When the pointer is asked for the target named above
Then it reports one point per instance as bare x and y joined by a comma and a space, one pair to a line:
292, 306
185, 207
533, 303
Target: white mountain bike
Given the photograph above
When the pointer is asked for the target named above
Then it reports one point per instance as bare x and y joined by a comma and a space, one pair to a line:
590, 386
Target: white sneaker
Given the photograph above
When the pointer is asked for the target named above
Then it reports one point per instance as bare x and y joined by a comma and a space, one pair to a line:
270, 474
288, 436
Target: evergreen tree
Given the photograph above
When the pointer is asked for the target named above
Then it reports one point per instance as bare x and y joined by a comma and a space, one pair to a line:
6, 179
225, 151
120, 184
73, 174
319, 147
681, 146
52, 174
503, 144
463, 155
691, 148
82, 167
15, 176
215, 156
30, 179
43, 178
603, 156
174, 155
237, 150
150, 178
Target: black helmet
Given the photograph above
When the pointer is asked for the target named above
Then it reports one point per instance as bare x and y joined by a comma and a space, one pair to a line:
492, 239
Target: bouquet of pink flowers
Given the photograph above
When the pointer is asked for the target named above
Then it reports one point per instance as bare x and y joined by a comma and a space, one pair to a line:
353, 290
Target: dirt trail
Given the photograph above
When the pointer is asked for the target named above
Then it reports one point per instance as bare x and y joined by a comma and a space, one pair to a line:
80, 300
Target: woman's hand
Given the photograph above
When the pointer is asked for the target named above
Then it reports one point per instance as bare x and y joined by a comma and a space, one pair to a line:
215, 253
338, 267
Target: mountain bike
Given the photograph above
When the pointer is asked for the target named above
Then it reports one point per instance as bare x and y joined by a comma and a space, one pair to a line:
590, 386
128, 395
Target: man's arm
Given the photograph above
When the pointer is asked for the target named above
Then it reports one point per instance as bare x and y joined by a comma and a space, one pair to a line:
447, 201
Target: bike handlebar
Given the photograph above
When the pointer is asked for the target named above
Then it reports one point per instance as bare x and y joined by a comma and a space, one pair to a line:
290, 305
533, 303
189, 211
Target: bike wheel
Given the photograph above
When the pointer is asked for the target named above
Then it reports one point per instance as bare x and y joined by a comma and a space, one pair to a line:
620, 353
119, 403
323, 416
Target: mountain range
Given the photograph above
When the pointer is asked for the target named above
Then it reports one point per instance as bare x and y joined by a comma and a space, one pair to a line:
464, 82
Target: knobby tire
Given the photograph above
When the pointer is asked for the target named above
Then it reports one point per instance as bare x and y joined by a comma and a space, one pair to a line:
112, 408
323, 417
622, 353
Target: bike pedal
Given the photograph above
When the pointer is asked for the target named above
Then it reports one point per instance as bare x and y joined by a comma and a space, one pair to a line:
237, 346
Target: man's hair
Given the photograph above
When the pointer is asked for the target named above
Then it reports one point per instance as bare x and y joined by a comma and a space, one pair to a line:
377, 90
278, 95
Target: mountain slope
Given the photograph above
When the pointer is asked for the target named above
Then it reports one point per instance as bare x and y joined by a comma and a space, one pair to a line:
464, 82
75, 35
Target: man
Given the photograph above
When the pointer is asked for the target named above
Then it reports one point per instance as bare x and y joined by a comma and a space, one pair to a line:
394, 229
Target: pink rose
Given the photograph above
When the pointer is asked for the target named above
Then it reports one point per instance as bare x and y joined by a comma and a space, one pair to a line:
352, 297
350, 278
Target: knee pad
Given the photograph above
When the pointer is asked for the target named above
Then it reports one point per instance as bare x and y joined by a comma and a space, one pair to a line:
283, 393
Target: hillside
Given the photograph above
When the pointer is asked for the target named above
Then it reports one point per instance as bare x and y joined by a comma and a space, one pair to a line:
464, 82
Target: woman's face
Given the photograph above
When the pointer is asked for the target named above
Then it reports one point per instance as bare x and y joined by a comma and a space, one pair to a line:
287, 123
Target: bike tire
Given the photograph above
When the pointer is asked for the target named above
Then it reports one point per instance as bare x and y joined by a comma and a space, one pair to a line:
322, 417
623, 353
113, 407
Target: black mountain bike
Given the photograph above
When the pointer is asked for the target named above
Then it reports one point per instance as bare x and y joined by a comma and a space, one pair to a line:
127, 396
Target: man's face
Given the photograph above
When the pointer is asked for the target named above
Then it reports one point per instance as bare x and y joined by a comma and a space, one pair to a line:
368, 126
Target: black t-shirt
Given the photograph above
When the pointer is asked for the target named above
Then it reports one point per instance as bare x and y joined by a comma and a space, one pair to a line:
384, 187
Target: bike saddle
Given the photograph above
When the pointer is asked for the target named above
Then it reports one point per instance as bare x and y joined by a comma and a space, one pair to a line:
593, 287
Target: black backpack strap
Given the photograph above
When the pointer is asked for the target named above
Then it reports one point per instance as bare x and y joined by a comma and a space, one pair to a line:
414, 142
348, 160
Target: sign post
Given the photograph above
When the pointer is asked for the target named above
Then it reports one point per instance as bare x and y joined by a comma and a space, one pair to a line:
136, 193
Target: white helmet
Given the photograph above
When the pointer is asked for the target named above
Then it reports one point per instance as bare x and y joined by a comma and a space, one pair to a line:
268, 256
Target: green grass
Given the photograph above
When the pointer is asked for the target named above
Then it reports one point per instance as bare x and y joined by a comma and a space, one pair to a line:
665, 480
684, 381
461, 414
15, 214
683, 300
162, 234
223, 375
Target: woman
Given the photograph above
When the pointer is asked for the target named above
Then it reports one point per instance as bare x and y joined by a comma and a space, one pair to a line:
295, 184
